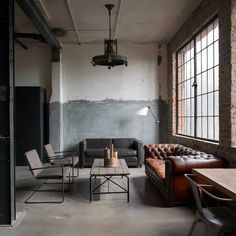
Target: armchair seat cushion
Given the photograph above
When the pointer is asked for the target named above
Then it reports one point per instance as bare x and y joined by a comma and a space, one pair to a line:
126, 152
66, 161
53, 173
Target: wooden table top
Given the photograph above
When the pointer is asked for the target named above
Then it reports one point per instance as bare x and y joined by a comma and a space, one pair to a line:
98, 168
222, 179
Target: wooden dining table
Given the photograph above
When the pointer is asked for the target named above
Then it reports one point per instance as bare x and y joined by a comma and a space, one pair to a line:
224, 179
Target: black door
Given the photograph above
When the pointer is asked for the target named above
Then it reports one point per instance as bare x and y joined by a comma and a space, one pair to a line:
29, 126
7, 163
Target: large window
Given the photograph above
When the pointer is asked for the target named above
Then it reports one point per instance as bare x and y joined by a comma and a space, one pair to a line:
198, 85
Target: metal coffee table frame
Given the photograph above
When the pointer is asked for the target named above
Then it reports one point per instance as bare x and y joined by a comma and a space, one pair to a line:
99, 171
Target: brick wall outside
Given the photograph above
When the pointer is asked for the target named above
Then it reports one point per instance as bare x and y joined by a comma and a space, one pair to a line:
205, 12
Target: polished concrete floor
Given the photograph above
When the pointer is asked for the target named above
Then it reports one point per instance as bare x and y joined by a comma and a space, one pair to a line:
146, 214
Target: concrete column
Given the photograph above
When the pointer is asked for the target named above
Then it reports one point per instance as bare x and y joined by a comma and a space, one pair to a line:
56, 107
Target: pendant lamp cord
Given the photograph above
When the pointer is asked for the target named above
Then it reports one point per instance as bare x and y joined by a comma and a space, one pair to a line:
109, 24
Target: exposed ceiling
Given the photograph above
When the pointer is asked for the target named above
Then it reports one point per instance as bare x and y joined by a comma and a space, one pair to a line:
139, 21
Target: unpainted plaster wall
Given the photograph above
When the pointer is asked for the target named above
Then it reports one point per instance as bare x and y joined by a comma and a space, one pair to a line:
33, 66
81, 80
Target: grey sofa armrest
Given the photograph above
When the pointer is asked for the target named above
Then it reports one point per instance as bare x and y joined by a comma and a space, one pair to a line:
139, 146
82, 148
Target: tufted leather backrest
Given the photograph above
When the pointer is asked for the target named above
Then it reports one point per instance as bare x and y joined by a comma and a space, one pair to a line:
162, 151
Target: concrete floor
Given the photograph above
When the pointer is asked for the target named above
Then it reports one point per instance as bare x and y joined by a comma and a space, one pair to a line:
146, 214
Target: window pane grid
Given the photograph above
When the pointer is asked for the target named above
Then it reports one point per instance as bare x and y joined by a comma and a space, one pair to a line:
198, 85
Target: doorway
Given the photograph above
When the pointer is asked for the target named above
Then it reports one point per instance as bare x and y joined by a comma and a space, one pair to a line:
7, 142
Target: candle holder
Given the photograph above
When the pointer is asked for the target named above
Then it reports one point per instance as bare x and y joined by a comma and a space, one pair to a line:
110, 157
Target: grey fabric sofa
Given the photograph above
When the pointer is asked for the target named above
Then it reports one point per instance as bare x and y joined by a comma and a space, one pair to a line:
129, 149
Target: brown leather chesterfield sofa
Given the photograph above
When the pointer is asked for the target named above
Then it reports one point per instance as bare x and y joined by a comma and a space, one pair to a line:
166, 164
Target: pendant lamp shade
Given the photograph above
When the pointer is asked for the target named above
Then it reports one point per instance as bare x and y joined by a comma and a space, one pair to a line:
110, 58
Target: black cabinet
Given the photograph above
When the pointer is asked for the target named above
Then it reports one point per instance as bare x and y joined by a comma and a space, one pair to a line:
29, 121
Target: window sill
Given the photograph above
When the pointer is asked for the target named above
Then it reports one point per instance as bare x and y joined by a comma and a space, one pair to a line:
196, 139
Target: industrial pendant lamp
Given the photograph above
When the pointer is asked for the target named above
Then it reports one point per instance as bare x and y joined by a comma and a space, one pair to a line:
110, 57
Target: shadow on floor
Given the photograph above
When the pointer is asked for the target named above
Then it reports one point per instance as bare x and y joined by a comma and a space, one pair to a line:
147, 193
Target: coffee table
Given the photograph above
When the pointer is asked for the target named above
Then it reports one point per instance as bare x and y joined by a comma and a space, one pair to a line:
106, 174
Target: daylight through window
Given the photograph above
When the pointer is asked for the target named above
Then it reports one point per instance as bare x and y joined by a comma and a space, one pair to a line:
198, 85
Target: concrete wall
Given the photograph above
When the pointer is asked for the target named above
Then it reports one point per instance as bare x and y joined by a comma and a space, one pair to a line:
33, 66
98, 102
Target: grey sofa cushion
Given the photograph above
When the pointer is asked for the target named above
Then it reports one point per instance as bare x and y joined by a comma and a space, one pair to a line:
98, 143
94, 152
126, 152
123, 143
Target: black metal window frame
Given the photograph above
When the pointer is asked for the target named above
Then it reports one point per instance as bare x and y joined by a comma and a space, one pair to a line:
193, 117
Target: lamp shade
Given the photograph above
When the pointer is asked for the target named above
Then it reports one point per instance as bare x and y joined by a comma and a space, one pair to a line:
142, 112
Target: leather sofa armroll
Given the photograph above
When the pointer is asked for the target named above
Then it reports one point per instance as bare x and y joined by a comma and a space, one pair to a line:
185, 164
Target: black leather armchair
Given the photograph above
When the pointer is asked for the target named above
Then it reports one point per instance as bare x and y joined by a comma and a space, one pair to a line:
130, 149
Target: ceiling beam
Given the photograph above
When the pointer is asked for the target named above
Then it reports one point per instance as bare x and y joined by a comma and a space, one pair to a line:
34, 36
73, 20
30, 9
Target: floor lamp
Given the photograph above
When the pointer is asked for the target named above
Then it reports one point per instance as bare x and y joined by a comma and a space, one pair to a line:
144, 111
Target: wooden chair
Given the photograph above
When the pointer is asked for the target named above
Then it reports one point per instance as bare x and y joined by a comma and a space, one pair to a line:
67, 158
218, 219
45, 172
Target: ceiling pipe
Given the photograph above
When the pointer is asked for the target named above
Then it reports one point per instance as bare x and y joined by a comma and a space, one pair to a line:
44, 9
73, 20
30, 9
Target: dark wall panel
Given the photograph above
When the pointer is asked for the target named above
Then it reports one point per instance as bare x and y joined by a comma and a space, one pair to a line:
30, 105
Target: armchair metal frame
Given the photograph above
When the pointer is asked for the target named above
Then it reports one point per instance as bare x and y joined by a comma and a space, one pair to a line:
67, 158
60, 173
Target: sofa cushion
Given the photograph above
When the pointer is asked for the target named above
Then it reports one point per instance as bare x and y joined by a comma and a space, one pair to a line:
94, 152
126, 152
158, 165
123, 142
98, 143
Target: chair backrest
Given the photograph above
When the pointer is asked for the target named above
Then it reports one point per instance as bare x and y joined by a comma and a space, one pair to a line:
198, 190
33, 161
49, 151
197, 193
